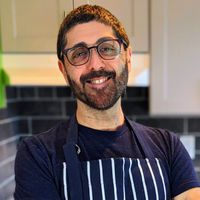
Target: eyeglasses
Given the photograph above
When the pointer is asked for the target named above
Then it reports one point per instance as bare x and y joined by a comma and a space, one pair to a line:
107, 49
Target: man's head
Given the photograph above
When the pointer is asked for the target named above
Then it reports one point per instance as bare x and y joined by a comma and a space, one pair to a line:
84, 14
94, 56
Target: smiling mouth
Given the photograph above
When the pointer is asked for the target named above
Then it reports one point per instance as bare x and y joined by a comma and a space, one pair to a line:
98, 80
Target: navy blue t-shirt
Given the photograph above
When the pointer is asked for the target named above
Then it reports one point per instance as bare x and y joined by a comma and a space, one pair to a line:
97, 144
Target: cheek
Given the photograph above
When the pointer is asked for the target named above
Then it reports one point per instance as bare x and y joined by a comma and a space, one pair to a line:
120, 60
118, 66
114, 64
74, 75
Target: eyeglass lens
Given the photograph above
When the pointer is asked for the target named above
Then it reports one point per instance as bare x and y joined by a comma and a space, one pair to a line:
107, 50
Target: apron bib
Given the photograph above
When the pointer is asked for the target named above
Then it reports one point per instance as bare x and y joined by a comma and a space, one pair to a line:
113, 178
121, 179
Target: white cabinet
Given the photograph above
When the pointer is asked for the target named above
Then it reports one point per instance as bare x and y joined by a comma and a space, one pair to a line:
175, 57
31, 26
134, 14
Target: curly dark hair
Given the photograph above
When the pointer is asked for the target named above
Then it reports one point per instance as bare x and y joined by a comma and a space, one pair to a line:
84, 14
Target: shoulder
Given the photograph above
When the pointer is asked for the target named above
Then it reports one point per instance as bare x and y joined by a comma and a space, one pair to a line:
39, 162
162, 142
153, 133
47, 143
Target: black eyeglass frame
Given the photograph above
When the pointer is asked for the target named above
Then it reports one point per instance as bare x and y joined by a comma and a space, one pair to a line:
120, 42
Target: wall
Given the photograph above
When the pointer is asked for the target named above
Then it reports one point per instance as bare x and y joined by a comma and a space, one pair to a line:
8, 144
33, 109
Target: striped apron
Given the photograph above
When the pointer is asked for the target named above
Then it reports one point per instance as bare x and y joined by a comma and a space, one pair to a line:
113, 178
120, 179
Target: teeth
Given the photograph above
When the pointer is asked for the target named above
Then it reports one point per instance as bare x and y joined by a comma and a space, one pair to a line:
98, 81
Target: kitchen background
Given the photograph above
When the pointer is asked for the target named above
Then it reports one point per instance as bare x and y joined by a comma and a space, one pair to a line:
164, 85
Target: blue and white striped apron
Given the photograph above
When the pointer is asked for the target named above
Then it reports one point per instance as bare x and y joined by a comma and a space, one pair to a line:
113, 178
120, 179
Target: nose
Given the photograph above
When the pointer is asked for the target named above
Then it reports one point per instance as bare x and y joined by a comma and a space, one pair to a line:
95, 61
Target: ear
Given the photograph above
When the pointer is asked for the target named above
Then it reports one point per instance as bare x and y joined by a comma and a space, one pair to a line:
62, 69
129, 56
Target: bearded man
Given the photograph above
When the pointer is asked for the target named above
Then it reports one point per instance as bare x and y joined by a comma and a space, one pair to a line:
100, 154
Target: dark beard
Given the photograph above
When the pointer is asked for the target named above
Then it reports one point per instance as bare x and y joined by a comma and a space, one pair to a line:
105, 98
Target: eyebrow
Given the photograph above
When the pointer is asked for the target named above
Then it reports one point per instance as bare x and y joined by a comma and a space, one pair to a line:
103, 39
86, 45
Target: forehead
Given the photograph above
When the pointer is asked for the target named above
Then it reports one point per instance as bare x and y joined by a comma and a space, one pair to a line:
89, 33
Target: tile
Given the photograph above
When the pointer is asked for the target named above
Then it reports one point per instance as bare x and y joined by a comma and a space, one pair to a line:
172, 124
196, 164
137, 92
8, 150
21, 126
63, 91
197, 159
146, 92
3, 113
70, 107
39, 108
189, 143
132, 108
7, 191
45, 91
198, 175
194, 124
11, 92
6, 170
198, 143
13, 128
27, 92
6, 130
12, 109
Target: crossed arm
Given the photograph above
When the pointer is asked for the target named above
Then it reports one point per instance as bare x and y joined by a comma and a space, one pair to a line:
191, 194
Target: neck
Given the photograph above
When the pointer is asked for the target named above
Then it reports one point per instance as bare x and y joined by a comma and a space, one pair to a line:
108, 119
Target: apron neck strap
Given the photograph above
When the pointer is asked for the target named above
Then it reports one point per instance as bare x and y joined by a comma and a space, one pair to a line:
72, 161
139, 133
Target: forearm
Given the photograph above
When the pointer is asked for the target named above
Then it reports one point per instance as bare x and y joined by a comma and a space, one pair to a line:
192, 194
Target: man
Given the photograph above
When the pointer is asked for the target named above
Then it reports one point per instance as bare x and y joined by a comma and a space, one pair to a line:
99, 154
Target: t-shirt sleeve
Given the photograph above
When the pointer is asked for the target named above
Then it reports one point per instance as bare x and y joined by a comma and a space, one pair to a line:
34, 179
183, 175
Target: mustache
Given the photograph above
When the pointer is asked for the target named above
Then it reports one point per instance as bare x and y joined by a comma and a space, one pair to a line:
96, 74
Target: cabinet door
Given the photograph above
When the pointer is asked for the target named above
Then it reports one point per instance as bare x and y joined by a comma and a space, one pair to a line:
175, 57
31, 26
134, 15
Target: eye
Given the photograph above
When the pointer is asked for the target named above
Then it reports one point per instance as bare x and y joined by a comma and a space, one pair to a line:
79, 53
109, 48
106, 49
